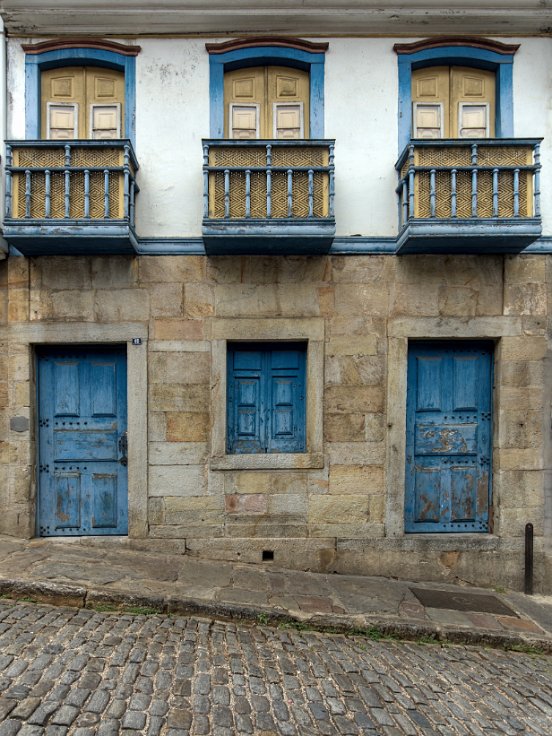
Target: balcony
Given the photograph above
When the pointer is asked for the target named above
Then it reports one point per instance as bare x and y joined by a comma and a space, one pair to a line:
468, 196
268, 196
70, 197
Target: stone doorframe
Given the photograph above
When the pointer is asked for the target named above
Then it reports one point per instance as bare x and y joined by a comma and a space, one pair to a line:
22, 340
400, 331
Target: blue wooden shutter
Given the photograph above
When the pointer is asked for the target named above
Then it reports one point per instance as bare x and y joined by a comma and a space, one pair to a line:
266, 399
448, 447
286, 401
246, 387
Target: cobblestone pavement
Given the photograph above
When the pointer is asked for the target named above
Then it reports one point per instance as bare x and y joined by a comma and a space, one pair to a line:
77, 671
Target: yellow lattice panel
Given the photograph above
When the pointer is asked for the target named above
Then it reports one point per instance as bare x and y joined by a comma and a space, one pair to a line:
80, 157
457, 156
282, 156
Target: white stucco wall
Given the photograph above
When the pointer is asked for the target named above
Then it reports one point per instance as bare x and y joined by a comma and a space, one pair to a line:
361, 91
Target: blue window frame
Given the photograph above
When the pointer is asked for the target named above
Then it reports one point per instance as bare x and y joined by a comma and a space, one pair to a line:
265, 52
266, 398
492, 55
37, 61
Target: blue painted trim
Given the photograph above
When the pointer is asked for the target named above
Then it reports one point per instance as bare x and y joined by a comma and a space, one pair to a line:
501, 64
261, 56
36, 63
342, 246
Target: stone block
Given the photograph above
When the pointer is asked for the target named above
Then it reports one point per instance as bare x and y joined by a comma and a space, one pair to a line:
157, 426
349, 399
526, 299
415, 300
184, 531
177, 453
64, 272
289, 506
176, 480
180, 368
356, 479
18, 304
164, 269
186, 426
255, 527
524, 269
518, 459
122, 305
166, 300
177, 329
156, 511
359, 269
18, 271
353, 299
343, 509
199, 300
523, 430
522, 348
72, 306
258, 481
354, 370
344, 530
347, 345
195, 510
179, 397
266, 300
344, 427
245, 504
326, 300
522, 374
114, 272
19, 367
356, 453
459, 301
519, 488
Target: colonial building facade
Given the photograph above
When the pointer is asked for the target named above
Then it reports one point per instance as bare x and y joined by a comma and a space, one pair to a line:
280, 296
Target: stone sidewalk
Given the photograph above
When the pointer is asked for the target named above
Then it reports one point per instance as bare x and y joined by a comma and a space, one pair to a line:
90, 574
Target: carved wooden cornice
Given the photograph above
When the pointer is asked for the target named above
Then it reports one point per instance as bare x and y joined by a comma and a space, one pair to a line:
508, 49
282, 41
80, 43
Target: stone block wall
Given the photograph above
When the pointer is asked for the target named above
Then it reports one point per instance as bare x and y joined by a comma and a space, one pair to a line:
345, 512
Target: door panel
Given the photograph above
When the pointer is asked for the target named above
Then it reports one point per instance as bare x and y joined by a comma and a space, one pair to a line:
82, 421
448, 455
266, 102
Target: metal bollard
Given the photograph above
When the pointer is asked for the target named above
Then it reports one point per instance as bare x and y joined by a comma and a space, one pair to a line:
528, 582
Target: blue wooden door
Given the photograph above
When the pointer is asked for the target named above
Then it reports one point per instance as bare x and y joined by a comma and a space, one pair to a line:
82, 442
448, 444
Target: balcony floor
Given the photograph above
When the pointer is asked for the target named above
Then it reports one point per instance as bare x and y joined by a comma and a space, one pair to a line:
274, 237
470, 236
70, 238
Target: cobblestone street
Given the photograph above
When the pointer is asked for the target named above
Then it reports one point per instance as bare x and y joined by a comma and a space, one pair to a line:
74, 671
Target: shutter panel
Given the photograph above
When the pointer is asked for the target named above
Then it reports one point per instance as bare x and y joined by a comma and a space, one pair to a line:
105, 121
286, 401
246, 386
288, 120
430, 98
472, 103
62, 103
105, 97
244, 103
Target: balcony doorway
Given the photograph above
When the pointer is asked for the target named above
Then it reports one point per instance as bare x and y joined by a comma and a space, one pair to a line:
268, 102
82, 103
453, 102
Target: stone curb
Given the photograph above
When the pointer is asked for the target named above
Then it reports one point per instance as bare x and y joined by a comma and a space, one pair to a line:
60, 594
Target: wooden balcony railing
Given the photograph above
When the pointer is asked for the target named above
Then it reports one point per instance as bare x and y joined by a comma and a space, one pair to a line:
462, 184
268, 189
70, 197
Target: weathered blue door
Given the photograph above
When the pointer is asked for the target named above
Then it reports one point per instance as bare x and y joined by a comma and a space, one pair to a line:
82, 474
448, 444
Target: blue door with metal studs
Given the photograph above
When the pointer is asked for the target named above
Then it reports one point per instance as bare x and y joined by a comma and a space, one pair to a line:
448, 445
82, 486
